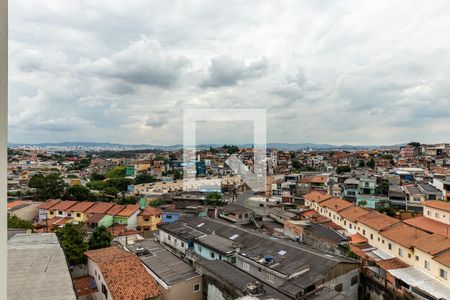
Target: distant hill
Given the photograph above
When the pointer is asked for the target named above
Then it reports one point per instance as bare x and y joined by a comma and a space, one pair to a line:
281, 146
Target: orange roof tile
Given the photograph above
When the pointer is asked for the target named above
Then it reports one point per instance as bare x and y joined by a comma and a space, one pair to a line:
14, 203
432, 244
310, 213
376, 220
63, 205
403, 234
115, 209
316, 197
124, 274
150, 211
99, 207
443, 258
336, 204
49, 203
392, 264
357, 239
81, 206
128, 210
319, 179
352, 213
442, 205
429, 225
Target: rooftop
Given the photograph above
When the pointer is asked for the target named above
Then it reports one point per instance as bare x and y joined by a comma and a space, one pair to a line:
49, 203
316, 197
403, 234
352, 213
336, 204
168, 267
216, 242
432, 244
63, 205
376, 220
81, 206
235, 209
437, 204
99, 208
124, 274
128, 210
429, 225
37, 268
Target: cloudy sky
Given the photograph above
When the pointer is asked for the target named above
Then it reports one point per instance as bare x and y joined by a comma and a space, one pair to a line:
340, 72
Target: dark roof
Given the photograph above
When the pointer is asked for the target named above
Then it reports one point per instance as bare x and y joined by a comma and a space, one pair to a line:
326, 233
218, 243
235, 209
289, 257
235, 278
168, 267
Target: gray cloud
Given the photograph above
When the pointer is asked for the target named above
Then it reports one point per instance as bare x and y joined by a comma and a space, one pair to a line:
326, 71
224, 71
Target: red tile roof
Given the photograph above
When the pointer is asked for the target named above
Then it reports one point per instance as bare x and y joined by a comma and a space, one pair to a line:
442, 205
336, 204
63, 205
150, 211
352, 213
392, 264
81, 206
376, 220
429, 225
128, 210
100, 207
443, 258
319, 179
357, 239
49, 203
432, 244
403, 234
316, 197
14, 203
115, 209
124, 274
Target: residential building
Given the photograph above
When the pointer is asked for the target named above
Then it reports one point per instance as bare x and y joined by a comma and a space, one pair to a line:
37, 268
437, 210
120, 275
25, 210
149, 218
236, 213
77, 211
175, 278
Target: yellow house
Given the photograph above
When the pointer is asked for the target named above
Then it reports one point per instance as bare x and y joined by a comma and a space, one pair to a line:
77, 212
142, 166
149, 218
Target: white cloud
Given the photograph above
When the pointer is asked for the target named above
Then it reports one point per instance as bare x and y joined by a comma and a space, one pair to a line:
327, 71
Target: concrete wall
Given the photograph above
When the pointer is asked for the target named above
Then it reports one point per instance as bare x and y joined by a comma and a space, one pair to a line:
437, 214
184, 290
95, 272
27, 212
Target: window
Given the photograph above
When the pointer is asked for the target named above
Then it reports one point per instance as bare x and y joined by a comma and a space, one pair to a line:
400, 252
443, 273
259, 269
345, 222
390, 246
51, 212
78, 215
417, 258
350, 225
338, 287
169, 238
146, 219
212, 254
182, 244
354, 280
428, 213
60, 212
364, 232
196, 287
104, 291
409, 255
371, 236
245, 266
382, 241
270, 277
436, 215
426, 264
69, 215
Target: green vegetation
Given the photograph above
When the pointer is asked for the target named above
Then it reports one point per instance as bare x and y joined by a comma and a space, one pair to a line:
343, 169
128, 200
116, 172
371, 163
385, 207
78, 192
231, 149
383, 187
16, 222
157, 202
144, 178
72, 240
362, 203
48, 187
80, 164
101, 238
97, 177
213, 198
362, 164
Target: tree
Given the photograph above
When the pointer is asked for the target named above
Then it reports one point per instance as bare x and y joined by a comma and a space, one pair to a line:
97, 177
73, 241
121, 184
80, 164
296, 164
157, 202
101, 238
78, 192
371, 163
177, 175
116, 172
50, 186
384, 206
144, 178
362, 203
343, 169
213, 198
362, 164
128, 200
16, 222
383, 187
